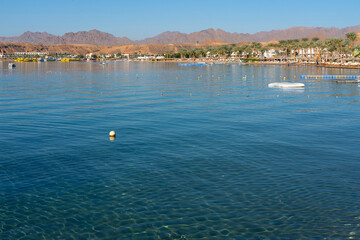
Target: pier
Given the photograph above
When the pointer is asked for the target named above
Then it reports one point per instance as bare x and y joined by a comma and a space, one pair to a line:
337, 77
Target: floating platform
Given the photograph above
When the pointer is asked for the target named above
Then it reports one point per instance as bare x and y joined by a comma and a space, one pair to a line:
192, 64
352, 77
210, 64
285, 85
348, 81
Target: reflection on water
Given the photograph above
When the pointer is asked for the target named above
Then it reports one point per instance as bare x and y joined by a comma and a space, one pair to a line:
201, 152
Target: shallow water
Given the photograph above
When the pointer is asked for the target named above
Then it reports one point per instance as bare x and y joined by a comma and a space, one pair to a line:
200, 152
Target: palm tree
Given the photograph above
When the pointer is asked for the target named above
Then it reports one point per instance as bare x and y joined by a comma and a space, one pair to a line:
315, 39
255, 47
284, 45
336, 45
263, 50
296, 48
209, 49
183, 53
169, 54
238, 51
223, 50
246, 49
199, 52
192, 53
351, 36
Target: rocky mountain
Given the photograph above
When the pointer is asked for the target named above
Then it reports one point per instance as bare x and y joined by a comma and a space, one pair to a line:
274, 35
96, 37
181, 38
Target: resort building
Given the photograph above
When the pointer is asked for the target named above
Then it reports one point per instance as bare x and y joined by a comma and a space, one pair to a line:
143, 58
30, 53
270, 53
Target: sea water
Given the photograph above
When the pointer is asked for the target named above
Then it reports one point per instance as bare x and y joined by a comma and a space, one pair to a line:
200, 152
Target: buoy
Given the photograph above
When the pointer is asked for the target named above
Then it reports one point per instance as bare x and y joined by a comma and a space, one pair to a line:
11, 65
112, 134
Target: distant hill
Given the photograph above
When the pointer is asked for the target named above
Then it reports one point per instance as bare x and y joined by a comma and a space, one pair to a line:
96, 37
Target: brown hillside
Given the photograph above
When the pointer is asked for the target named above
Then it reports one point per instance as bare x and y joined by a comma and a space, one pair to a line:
83, 49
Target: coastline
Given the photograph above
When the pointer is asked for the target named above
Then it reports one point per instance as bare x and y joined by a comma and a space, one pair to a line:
215, 62
254, 63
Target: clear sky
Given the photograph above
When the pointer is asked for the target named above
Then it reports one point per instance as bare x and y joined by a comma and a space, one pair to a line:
138, 19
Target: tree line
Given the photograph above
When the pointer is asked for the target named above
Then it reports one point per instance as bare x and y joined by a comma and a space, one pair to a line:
332, 48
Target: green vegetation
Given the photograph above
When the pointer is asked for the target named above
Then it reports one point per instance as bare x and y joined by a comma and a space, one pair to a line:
294, 50
351, 37
329, 50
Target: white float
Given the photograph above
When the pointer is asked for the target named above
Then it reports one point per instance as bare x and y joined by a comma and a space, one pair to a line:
286, 85
112, 134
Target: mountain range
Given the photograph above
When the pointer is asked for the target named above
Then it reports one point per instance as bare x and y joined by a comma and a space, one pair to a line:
97, 37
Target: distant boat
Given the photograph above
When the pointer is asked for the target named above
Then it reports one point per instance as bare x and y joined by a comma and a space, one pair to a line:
11, 65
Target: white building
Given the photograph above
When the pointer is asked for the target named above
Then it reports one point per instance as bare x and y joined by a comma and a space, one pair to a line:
143, 58
270, 53
30, 53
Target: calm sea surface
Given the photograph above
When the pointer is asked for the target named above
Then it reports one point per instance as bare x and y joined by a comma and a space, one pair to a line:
200, 152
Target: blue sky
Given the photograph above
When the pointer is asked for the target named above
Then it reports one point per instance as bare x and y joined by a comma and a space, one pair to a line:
147, 18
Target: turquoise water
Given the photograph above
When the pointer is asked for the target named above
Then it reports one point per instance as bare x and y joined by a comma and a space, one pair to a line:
200, 152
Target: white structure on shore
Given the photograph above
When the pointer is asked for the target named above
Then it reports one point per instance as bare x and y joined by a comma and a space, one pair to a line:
30, 53
143, 58
270, 53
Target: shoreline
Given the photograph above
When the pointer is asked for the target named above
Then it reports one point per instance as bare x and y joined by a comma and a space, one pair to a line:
215, 62
258, 63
